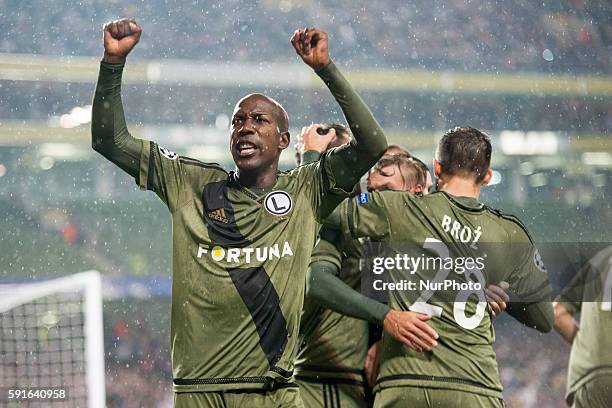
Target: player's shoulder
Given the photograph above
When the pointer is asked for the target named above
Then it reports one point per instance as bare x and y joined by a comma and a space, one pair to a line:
201, 170
510, 222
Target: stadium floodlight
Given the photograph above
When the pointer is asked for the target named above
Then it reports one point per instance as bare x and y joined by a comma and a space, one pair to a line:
51, 337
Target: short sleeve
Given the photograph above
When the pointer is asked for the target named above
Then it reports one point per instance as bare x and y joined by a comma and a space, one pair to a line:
161, 171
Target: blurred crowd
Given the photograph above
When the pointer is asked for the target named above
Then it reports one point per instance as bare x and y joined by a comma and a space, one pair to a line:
562, 36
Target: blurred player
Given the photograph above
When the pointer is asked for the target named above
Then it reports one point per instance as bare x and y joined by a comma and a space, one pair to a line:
459, 368
329, 366
589, 382
241, 240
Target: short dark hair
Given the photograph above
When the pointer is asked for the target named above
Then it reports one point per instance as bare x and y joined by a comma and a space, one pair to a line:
465, 151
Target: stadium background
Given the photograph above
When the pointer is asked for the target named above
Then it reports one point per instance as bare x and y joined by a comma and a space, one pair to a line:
536, 76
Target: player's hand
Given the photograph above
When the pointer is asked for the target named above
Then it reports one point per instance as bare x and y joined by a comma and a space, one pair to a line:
372, 363
311, 45
497, 297
120, 36
312, 140
411, 329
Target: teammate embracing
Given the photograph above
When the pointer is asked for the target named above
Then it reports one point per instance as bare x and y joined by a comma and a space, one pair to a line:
458, 368
330, 363
241, 240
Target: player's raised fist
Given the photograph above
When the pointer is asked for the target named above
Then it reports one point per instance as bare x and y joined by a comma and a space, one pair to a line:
312, 46
120, 36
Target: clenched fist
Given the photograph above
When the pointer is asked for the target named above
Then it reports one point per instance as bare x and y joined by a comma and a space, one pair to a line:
312, 46
120, 36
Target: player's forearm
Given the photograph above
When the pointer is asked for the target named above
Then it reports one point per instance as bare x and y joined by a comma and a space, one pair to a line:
537, 315
109, 134
369, 142
325, 288
310, 156
565, 324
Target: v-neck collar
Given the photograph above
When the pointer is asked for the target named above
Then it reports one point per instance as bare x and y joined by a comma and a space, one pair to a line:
254, 193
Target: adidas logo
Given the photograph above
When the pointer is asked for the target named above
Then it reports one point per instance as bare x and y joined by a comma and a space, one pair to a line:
218, 215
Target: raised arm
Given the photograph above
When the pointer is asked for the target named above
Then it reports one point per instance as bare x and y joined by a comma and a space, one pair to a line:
109, 134
350, 162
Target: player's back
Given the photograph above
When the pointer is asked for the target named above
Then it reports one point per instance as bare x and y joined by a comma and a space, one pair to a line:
451, 248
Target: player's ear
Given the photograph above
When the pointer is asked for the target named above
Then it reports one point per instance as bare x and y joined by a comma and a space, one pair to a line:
285, 139
437, 169
418, 188
488, 176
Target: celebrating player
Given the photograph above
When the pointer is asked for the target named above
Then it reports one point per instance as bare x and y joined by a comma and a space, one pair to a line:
241, 240
329, 365
458, 368
589, 382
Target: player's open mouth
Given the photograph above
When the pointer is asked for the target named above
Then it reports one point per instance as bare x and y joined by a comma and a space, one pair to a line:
245, 149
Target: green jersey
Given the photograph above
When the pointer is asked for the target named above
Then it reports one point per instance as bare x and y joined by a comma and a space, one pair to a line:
433, 226
239, 262
590, 294
334, 346
239, 255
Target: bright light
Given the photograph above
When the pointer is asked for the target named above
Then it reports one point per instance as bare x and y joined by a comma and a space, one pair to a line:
2, 170
597, 159
520, 143
46, 163
222, 121
496, 179
79, 115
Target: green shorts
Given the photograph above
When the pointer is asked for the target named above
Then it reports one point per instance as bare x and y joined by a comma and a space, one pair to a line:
331, 394
595, 393
282, 398
422, 397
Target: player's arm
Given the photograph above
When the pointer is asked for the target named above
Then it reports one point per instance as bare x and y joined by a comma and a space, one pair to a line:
153, 167
347, 163
568, 303
311, 144
110, 136
565, 324
537, 315
325, 287
530, 291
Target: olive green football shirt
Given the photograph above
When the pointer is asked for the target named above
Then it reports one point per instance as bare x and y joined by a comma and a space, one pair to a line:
334, 346
239, 263
440, 226
590, 294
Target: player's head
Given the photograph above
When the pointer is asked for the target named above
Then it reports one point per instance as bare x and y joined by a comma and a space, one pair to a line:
259, 132
464, 152
398, 150
397, 172
425, 170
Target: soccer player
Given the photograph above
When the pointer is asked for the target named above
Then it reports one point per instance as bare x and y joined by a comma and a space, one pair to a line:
241, 240
459, 367
329, 365
589, 382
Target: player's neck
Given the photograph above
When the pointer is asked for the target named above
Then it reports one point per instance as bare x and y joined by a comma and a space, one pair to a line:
259, 179
459, 187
